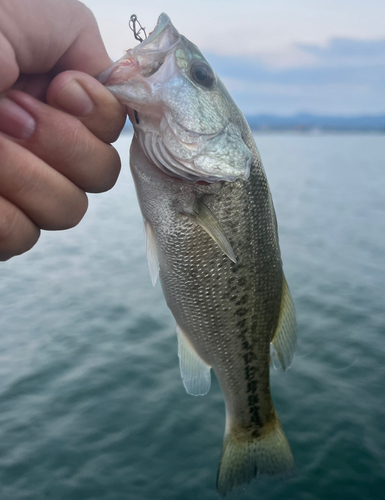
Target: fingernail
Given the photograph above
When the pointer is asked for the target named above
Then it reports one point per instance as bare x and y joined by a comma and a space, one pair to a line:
74, 100
14, 120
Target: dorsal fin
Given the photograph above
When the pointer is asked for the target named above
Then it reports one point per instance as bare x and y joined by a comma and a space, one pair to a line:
207, 220
195, 373
285, 337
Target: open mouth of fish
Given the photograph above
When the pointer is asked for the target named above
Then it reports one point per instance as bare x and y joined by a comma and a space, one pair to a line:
184, 125
146, 58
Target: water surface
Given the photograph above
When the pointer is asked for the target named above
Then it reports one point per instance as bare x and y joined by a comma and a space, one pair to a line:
91, 402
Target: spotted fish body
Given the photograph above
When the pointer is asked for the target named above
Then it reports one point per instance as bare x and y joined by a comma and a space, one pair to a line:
212, 238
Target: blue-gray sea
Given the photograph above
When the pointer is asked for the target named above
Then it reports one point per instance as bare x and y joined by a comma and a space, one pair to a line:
91, 401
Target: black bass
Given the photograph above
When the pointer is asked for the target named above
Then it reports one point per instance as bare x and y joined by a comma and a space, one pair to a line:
212, 240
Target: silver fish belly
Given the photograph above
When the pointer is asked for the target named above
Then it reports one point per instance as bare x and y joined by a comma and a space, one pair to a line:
212, 239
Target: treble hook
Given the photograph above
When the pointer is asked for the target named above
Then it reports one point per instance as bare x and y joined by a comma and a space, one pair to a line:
132, 24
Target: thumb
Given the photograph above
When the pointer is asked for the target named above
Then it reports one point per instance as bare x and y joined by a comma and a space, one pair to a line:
82, 96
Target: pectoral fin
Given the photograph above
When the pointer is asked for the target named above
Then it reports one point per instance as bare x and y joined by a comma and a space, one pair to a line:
152, 255
195, 373
285, 337
207, 220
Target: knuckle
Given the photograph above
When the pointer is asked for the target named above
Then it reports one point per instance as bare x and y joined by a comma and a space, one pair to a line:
109, 116
84, 19
80, 209
114, 127
99, 163
29, 240
81, 14
7, 227
112, 118
17, 233
109, 171
72, 212
9, 67
71, 142
86, 12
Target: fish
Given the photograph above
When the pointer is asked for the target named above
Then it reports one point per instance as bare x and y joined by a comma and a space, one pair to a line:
212, 240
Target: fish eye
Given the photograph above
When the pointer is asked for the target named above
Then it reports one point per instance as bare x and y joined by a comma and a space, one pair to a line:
202, 73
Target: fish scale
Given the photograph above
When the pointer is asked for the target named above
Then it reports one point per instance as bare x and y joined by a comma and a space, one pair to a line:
225, 309
212, 239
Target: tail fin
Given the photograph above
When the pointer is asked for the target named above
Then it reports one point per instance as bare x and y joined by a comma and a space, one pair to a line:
245, 456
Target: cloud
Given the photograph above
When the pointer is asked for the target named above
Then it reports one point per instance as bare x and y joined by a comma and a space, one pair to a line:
324, 56
347, 52
345, 76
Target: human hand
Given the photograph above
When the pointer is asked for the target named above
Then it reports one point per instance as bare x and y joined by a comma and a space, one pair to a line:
56, 120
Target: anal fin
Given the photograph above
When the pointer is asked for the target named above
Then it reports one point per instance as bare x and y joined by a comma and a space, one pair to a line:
195, 373
285, 337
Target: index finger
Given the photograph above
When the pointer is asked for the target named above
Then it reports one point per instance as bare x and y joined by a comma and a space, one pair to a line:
63, 36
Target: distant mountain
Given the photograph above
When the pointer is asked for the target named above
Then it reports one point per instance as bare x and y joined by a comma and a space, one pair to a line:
306, 122
310, 122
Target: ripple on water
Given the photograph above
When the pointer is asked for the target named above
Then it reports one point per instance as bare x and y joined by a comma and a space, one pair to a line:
92, 406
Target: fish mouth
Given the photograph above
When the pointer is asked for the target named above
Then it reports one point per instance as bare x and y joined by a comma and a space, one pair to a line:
145, 59
140, 81
162, 37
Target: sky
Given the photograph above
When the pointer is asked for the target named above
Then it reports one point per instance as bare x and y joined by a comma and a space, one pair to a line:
279, 57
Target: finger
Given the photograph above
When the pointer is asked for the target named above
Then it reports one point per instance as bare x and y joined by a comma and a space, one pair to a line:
64, 35
65, 144
87, 53
17, 232
8, 64
81, 95
34, 85
48, 198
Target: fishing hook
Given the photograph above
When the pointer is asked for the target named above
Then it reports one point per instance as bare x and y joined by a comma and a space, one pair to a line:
132, 24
